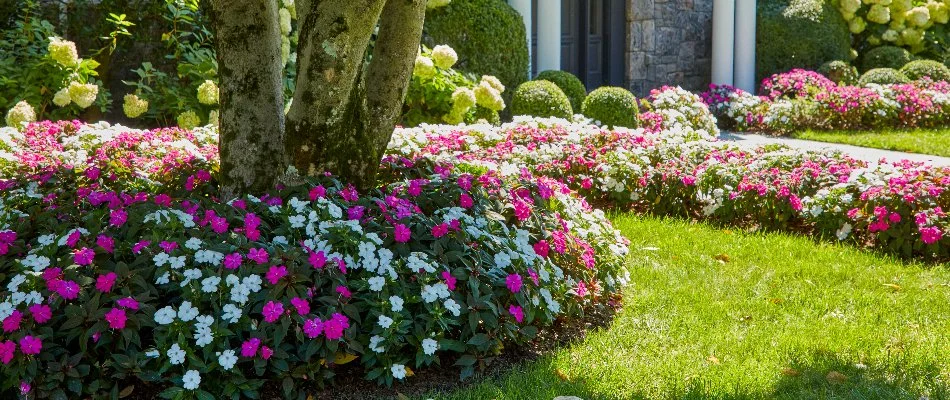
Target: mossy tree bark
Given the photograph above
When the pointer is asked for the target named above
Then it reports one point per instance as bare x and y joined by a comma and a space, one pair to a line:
250, 72
347, 99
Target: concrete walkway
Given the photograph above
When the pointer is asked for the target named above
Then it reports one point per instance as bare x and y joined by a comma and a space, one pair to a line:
861, 153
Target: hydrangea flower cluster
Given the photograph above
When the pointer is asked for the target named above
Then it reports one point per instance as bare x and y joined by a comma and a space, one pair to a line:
438, 94
896, 22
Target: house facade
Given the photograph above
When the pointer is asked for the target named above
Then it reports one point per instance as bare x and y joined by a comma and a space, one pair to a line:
637, 44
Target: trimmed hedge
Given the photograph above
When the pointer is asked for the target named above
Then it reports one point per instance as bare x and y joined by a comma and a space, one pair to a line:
488, 36
571, 86
799, 34
840, 72
885, 57
613, 106
541, 99
926, 68
883, 76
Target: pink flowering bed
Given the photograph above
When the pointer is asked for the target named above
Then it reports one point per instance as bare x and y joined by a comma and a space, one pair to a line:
675, 167
801, 99
120, 265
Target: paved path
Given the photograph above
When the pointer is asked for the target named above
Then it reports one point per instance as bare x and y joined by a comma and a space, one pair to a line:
861, 153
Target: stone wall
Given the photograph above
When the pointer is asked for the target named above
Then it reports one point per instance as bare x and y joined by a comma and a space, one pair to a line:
669, 42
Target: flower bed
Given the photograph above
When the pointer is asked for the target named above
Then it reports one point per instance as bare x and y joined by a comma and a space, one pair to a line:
119, 264
800, 100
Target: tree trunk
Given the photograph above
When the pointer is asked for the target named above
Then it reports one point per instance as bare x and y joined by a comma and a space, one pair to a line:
247, 39
344, 109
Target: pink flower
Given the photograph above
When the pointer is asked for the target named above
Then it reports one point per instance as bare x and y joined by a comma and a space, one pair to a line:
689, 180
313, 327
259, 256
302, 305
931, 235
449, 280
106, 243
233, 261
275, 273
266, 352
116, 318
522, 209
84, 256
68, 290
105, 282
140, 245
513, 282
30, 345
73, 239
581, 289
317, 193
7, 351
517, 312
533, 275
41, 313
344, 291
12, 322
465, 200
542, 248
25, 387
249, 347
168, 246
894, 218
318, 259
465, 181
349, 193
333, 328
128, 303
440, 230
272, 311
355, 213
402, 233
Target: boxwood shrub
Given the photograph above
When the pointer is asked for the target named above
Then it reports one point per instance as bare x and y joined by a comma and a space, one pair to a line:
883, 76
571, 86
839, 72
799, 34
885, 57
541, 99
935, 70
612, 106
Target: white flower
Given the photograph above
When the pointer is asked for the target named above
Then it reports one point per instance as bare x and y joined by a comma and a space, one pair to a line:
152, 353
208, 92
165, 316
163, 279
231, 313
63, 52
193, 244
843, 232
429, 346
453, 307
227, 359
133, 106
374, 344
399, 371
203, 336
186, 312
61, 98
397, 303
444, 56
385, 321
21, 113
175, 354
191, 380
210, 284
376, 283
83, 94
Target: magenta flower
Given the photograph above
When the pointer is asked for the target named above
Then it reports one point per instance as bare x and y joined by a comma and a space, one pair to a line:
128, 303
344, 291
517, 312
140, 245
7, 351
533, 275
318, 192
12, 322
68, 290
266, 352
931, 235
116, 318
349, 193
272, 311
168, 246
105, 282
41, 313
84, 256
355, 213
25, 387
275, 273
313, 328
30, 345
333, 328
465, 200
73, 239
450, 280
259, 256
249, 347
402, 233
541, 248
317, 259
465, 181
106, 243
440, 230
689, 180
233, 261
581, 289
302, 305
514, 282
522, 209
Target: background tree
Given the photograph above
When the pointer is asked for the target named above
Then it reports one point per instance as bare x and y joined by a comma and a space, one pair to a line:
348, 93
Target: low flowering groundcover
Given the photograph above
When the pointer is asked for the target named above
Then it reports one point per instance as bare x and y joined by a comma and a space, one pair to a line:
119, 264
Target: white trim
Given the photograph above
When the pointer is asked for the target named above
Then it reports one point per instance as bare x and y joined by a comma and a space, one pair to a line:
549, 35
723, 41
744, 74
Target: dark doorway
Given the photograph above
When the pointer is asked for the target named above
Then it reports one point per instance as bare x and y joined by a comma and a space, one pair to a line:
593, 33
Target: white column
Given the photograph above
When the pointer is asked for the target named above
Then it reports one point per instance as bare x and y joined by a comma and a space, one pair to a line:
744, 66
549, 35
523, 7
724, 14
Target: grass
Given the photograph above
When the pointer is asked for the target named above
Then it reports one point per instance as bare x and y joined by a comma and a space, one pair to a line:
924, 141
714, 314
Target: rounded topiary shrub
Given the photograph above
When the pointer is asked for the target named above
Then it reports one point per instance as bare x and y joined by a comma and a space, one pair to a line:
612, 106
488, 36
885, 57
487, 115
541, 99
840, 72
926, 68
799, 34
883, 76
569, 84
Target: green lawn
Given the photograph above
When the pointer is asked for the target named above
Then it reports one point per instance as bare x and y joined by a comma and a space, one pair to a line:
728, 315
923, 141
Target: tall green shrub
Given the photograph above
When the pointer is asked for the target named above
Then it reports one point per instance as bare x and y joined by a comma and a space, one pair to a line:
799, 34
569, 84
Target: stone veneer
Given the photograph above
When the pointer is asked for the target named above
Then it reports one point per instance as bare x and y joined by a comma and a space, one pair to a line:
669, 42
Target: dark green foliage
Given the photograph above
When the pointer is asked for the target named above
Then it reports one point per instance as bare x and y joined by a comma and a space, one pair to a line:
799, 34
612, 106
541, 99
883, 76
490, 116
569, 84
885, 57
839, 72
488, 35
926, 68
